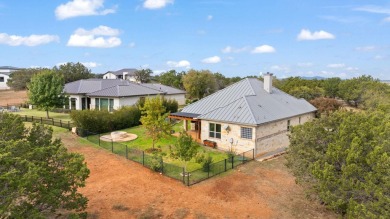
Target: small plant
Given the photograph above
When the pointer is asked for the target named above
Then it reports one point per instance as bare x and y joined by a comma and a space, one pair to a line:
155, 162
206, 164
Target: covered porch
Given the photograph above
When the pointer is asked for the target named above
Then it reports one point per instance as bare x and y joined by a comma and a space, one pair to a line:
191, 124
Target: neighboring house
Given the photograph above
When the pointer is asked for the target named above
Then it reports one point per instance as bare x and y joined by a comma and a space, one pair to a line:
112, 94
5, 71
247, 115
126, 74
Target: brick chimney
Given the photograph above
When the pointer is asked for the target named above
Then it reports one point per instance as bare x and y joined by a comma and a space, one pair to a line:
268, 82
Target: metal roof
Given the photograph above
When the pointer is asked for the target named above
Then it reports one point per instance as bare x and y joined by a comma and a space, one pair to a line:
116, 88
246, 102
164, 88
129, 71
183, 114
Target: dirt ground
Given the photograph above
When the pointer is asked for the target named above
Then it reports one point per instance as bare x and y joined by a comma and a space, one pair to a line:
118, 188
11, 97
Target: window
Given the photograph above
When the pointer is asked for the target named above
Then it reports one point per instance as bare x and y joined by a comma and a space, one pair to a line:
288, 125
299, 120
97, 103
72, 103
214, 130
111, 105
246, 133
1, 79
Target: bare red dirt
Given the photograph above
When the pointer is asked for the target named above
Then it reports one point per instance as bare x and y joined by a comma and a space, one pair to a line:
11, 97
119, 188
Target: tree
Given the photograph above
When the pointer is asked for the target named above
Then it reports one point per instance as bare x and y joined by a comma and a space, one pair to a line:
172, 78
37, 174
221, 81
185, 149
46, 90
143, 75
325, 105
154, 119
21, 78
306, 92
352, 90
331, 87
73, 71
199, 83
344, 159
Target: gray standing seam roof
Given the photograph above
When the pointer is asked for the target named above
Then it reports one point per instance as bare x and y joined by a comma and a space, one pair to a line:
246, 102
164, 88
130, 71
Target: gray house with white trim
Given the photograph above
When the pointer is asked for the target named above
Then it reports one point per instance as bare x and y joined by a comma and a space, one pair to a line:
249, 114
112, 94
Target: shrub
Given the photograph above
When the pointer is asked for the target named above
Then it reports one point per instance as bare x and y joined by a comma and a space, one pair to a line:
206, 164
170, 105
104, 121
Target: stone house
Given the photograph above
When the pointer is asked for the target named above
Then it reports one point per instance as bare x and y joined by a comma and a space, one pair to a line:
112, 94
249, 114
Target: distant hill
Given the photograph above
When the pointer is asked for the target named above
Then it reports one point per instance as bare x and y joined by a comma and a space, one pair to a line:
312, 78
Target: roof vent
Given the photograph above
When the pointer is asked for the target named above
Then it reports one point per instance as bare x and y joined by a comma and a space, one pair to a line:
268, 82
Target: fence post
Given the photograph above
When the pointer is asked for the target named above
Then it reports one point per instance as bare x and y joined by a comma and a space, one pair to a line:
143, 158
184, 176
232, 161
127, 154
253, 154
162, 166
225, 165
188, 179
112, 146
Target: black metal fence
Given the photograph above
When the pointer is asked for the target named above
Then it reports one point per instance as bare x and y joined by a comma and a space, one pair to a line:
55, 122
156, 163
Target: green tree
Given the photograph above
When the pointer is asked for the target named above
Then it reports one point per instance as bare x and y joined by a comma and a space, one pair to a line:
306, 92
185, 149
143, 75
221, 81
46, 90
375, 95
73, 71
331, 87
172, 78
325, 105
11, 127
344, 159
352, 90
154, 119
199, 84
20, 79
37, 174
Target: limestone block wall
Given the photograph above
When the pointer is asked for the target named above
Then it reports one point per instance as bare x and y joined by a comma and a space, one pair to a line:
234, 132
272, 136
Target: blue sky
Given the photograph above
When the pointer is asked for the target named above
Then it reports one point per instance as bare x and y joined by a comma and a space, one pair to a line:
236, 38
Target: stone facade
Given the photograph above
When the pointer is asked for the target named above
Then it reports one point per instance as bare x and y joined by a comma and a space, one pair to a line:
265, 138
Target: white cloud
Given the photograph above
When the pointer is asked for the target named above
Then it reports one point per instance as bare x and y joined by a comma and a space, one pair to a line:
264, 49
156, 4
352, 69
317, 35
210, 17
379, 57
373, 9
337, 65
229, 49
179, 64
305, 64
280, 68
91, 64
78, 8
32, 40
100, 37
212, 60
158, 71
386, 19
366, 48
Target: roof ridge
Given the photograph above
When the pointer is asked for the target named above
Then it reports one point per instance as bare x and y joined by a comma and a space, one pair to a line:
152, 88
250, 109
223, 106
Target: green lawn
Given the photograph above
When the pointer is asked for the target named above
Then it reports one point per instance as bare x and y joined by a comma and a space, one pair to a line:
39, 113
143, 142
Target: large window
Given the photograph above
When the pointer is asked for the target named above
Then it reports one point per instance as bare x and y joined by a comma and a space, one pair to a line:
288, 125
72, 103
246, 133
1, 79
104, 104
214, 130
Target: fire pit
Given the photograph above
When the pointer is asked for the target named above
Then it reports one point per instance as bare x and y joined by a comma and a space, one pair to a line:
119, 136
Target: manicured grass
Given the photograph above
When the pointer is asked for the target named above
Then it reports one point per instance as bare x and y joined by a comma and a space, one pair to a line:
144, 142
39, 113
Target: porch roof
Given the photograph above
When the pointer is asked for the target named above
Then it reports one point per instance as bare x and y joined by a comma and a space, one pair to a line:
183, 115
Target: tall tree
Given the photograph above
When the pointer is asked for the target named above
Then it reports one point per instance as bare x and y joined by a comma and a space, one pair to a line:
37, 174
21, 78
154, 119
46, 90
184, 149
221, 81
143, 75
344, 158
172, 78
73, 71
199, 84
331, 87
351, 90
